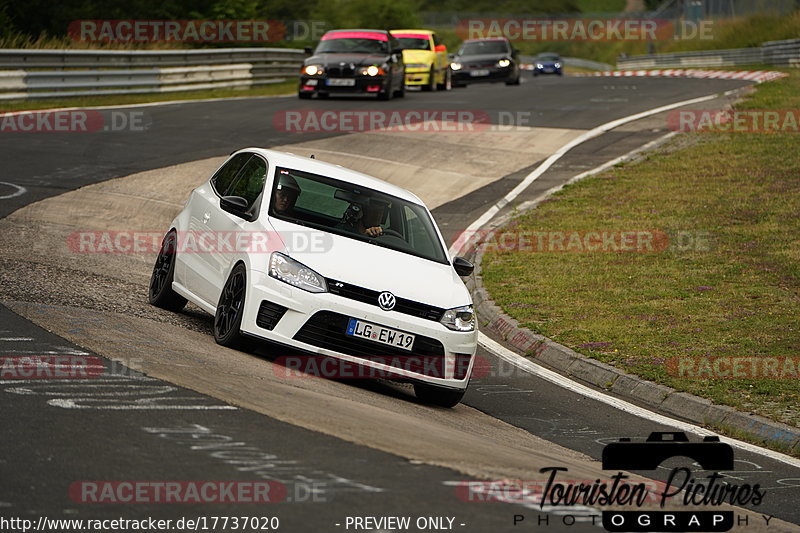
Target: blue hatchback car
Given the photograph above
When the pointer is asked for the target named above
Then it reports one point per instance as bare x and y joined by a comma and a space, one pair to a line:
548, 64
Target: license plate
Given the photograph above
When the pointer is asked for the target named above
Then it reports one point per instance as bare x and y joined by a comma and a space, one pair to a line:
341, 82
380, 334
479, 73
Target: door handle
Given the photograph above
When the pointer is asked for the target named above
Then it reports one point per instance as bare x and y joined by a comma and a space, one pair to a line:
206, 217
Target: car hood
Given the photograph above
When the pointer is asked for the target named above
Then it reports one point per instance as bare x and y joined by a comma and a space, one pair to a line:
480, 58
418, 56
356, 59
375, 267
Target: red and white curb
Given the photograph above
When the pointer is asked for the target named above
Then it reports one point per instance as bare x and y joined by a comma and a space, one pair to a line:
757, 76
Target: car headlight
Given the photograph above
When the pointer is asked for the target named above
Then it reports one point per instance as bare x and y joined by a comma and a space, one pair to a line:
287, 270
503, 63
539, 65
314, 70
372, 70
459, 318
558, 65
455, 66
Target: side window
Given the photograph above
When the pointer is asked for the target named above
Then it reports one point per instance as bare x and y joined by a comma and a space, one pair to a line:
435, 40
250, 182
225, 175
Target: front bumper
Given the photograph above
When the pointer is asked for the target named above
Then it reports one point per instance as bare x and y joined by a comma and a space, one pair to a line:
360, 85
316, 322
547, 70
418, 77
482, 74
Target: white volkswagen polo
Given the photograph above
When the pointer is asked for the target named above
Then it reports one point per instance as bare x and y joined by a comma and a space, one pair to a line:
298, 252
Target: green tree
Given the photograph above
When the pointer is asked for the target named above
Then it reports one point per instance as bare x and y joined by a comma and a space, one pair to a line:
377, 14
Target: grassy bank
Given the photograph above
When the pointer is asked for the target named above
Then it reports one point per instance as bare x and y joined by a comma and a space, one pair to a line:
728, 284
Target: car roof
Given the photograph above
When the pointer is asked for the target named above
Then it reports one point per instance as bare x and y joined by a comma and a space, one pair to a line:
359, 29
426, 32
315, 166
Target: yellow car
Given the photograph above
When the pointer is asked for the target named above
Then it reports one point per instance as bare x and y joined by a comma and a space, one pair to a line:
427, 65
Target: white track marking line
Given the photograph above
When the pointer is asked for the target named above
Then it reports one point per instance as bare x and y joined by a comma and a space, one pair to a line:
557, 379
19, 192
541, 169
608, 164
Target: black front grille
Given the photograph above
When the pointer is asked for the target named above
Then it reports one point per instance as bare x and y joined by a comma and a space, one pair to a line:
368, 296
326, 329
346, 71
269, 314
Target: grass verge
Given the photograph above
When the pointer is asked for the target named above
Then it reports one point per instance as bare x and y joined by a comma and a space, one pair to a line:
277, 89
728, 284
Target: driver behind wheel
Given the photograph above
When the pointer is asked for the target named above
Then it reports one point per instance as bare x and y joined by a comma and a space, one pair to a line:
286, 195
364, 220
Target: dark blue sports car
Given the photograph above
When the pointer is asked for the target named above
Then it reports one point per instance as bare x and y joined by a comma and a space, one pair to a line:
548, 64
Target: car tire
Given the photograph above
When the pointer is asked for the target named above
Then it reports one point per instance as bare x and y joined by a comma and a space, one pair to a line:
160, 293
535, 73
323, 96
431, 86
304, 96
448, 81
230, 309
401, 90
515, 81
440, 396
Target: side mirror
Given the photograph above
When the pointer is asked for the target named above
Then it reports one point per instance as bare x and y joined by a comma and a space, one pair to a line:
463, 267
308, 50
235, 205
514, 51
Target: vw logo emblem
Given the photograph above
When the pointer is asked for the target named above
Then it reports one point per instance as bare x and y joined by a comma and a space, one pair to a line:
386, 301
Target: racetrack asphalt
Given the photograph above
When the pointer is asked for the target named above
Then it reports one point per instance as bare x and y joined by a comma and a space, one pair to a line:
109, 444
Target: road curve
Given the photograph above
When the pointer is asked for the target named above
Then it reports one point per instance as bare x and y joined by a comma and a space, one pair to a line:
95, 301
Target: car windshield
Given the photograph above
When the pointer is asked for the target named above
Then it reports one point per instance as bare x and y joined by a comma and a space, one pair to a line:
352, 45
414, 43
339, 207
483, 47
549, 57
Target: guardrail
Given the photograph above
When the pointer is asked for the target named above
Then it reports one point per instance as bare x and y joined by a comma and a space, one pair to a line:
778, 53
28, 74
